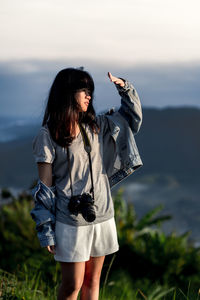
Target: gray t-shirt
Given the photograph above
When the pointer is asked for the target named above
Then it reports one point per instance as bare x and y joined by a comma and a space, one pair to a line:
46, 150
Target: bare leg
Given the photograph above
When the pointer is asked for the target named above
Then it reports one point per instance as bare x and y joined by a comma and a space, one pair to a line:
90, 287
72, 280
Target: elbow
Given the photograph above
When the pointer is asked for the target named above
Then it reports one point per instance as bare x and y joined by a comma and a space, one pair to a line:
45, 195
136, 124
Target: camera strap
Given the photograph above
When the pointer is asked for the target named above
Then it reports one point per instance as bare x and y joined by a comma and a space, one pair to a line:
88, 149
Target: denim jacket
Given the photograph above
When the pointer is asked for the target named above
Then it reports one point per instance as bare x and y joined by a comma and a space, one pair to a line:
120, 161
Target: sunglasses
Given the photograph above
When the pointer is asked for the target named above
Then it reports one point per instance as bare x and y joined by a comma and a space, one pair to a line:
87, 91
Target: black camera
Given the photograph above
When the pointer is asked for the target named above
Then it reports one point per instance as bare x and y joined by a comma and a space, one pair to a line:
83, 204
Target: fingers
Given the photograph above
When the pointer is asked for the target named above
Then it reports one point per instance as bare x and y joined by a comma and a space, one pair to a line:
110, 76
51, 249
115, 80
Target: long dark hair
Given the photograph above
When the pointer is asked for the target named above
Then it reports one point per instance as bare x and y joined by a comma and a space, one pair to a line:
62, 110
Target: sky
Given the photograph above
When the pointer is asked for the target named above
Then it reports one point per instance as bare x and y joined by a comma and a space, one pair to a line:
155, 43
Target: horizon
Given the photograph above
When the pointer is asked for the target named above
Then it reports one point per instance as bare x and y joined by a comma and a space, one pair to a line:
155, 46
24, 85
23, 120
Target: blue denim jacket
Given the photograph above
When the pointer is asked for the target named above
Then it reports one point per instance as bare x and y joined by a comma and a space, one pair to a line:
120, 161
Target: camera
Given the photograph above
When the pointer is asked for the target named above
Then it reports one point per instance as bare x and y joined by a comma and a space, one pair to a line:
83, 204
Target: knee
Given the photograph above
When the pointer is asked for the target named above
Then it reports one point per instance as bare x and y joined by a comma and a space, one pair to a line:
71, 286
92, 281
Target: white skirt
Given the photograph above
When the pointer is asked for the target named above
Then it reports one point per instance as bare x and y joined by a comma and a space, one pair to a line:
77, 244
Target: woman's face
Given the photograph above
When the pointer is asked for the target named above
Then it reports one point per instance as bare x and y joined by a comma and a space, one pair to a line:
83, 98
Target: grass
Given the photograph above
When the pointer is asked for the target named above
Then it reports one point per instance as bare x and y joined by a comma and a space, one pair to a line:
149, 265
118, 288
30, 288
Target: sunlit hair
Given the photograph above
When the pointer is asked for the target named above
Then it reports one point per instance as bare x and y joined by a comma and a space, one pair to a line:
62, 110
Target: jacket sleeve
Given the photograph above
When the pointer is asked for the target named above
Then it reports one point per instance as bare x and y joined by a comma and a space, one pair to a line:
130, 107
44, 213
130, 110
117, 130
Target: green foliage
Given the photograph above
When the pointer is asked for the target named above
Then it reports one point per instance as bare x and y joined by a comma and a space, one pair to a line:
149, 265
146, 252
29, 288
19, 244
128, 226
119, 288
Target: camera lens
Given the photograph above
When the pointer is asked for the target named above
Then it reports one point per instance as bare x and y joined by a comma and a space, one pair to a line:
83, 204
88, 214
87, 208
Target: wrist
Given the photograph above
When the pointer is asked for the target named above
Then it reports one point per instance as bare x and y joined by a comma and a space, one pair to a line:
123, 83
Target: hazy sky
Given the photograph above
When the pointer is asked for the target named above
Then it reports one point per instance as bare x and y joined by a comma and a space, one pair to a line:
123, 32
153, 43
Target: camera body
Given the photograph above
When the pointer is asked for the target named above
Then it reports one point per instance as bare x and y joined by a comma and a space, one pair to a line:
83, 204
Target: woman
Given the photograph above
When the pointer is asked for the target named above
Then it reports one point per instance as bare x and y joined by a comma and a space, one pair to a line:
73, 210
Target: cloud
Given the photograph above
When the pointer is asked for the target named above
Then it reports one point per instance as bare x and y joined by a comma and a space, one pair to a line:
24, 85
121, 32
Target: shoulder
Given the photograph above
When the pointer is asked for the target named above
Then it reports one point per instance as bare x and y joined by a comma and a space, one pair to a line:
43, 146
43, 137
102, 118
43, 132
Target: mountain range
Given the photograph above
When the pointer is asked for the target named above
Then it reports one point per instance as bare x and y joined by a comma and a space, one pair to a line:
169, 145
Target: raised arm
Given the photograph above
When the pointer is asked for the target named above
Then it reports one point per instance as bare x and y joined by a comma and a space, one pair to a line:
130, 107
117, 128
116, 80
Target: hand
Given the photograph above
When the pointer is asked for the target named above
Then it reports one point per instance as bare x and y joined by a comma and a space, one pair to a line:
116, 80
51, 249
